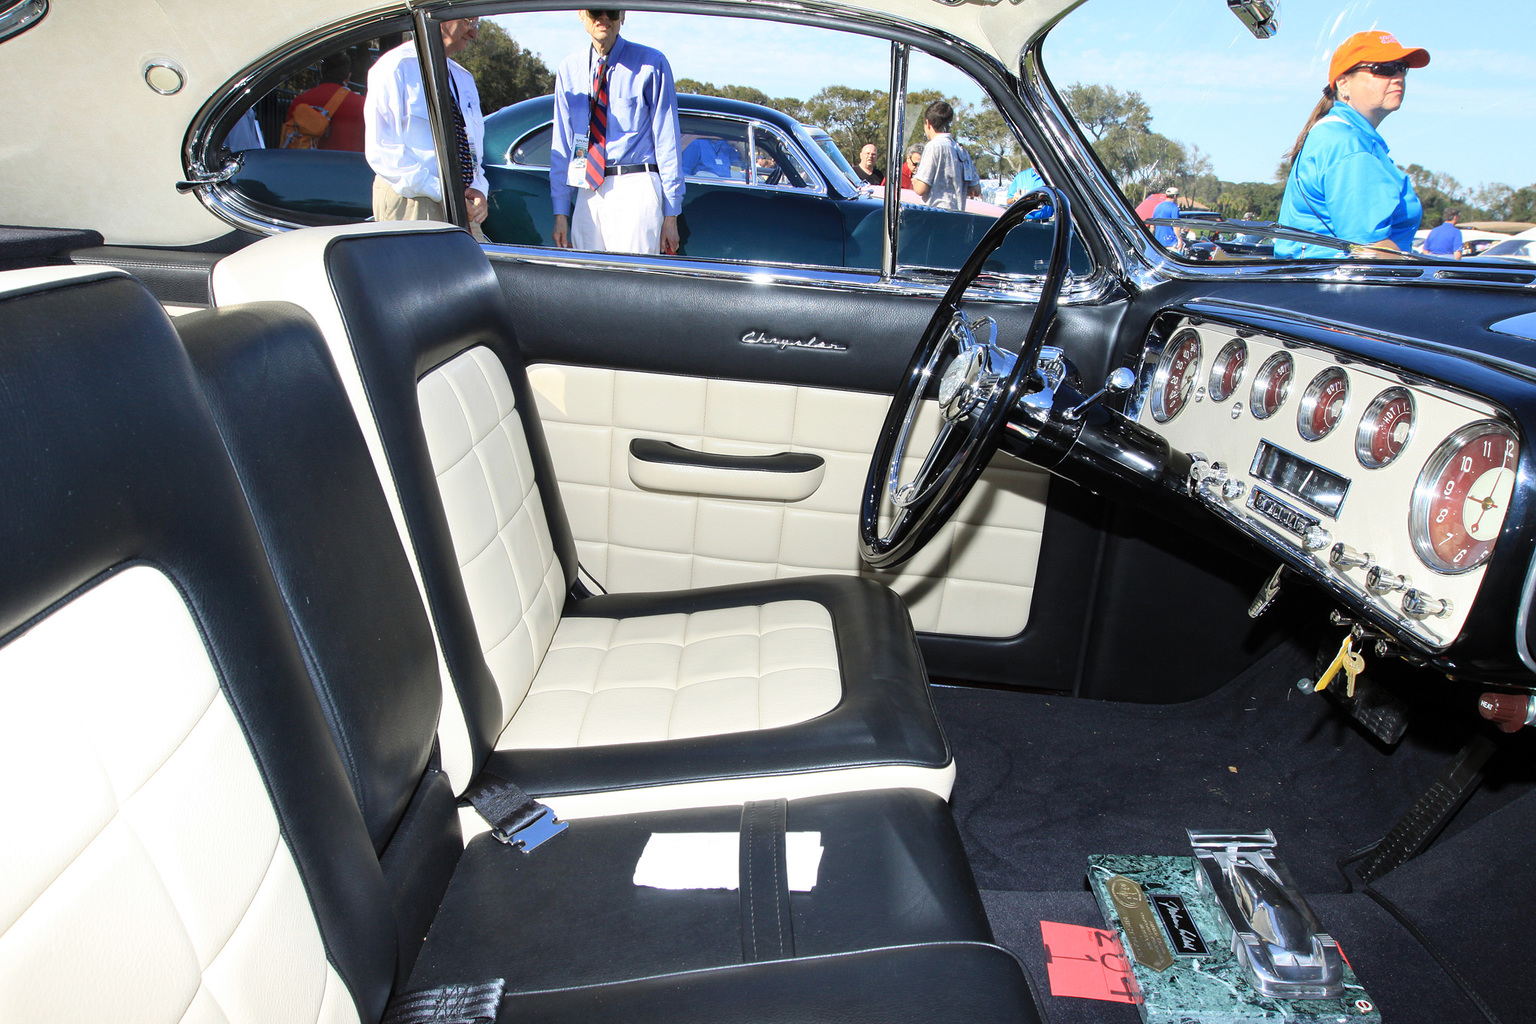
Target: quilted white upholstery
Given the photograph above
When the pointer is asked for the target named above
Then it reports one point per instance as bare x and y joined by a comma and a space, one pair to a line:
145, 878
976, 578
485, 475
661, 677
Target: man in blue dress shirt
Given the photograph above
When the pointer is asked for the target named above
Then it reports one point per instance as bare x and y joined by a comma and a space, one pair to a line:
714, 157
615, 172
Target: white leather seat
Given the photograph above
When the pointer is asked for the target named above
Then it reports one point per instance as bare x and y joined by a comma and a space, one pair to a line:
781, 689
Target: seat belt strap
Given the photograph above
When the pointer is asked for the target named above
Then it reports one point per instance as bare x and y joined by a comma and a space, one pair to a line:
516, 818
767, 931
449, 1004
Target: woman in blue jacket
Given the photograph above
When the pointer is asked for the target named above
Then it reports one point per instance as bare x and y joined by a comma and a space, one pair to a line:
1343, 181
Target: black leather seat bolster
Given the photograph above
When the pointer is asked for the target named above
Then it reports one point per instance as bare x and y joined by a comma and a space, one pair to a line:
109, 458
331, 540
172, 275
419, 301
344, 578
886, 716
952, 983
892, 872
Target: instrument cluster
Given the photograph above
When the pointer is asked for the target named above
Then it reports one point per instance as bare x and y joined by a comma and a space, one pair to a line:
1392, 490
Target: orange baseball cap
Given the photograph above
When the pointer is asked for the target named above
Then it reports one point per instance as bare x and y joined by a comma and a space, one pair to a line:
1373, 47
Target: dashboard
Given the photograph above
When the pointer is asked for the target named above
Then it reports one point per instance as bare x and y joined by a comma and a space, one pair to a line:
1390, 489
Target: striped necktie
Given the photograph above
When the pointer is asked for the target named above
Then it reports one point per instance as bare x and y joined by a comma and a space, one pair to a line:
597, 141
466, 156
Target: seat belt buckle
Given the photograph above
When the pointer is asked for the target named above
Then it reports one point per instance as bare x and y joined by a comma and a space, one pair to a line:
534, 834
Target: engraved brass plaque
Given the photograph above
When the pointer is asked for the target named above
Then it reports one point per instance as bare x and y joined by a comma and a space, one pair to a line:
1142, 934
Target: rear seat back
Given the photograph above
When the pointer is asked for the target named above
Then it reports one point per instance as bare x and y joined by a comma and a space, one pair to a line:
178, 822
338, 563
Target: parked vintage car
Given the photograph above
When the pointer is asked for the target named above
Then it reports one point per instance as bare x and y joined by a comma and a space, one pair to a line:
849, 586
1521, 246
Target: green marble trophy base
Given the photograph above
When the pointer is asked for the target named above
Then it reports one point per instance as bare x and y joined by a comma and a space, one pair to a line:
1209, 987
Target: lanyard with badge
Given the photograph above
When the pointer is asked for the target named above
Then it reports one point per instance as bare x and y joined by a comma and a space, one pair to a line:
576, 173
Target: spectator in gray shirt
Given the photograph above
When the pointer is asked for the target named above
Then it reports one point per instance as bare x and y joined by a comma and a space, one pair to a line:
940, 176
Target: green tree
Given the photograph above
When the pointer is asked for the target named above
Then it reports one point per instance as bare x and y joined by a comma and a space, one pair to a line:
851, 116
1138, 158
997, 151
505, 73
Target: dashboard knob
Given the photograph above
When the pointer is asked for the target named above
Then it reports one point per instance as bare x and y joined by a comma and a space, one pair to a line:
1510, 712
1345, 557
1421, 606
1385, 581
1315, 539
1232, 488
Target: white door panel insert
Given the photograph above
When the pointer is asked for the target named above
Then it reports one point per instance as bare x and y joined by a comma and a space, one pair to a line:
976, 578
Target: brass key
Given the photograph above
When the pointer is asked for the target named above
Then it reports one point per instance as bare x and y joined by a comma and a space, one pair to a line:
1345, 652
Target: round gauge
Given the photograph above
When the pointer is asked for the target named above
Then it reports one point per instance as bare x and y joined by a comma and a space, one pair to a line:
1271, 385
1227, 370
1462, 495
1385, 428
1175, 377
1322, 404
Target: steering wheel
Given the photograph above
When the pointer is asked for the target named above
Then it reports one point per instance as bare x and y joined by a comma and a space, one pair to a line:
978, 383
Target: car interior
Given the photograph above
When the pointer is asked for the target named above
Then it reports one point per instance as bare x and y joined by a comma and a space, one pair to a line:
402, 629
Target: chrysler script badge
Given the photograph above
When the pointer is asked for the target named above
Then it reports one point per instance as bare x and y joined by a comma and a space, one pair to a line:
764, 338
1141, 931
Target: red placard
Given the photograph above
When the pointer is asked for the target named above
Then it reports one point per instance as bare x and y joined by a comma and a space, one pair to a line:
1087, 963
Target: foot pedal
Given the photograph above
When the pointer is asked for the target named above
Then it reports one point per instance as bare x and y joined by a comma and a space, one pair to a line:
1432, 811
1373, 706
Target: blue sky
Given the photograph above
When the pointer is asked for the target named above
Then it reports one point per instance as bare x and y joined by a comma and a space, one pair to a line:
1471, 113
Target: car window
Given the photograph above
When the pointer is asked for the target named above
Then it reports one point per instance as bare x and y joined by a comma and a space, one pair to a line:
532, 150
767, 139
955, 183
1193, 113
298, 149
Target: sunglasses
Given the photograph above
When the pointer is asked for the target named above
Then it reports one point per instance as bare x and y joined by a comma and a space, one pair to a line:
1383, 69
609, 13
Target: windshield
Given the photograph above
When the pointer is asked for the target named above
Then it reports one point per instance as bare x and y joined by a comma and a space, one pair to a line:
823, 140
1424, 148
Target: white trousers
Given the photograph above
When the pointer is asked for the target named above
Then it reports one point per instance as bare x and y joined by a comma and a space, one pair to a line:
622, 216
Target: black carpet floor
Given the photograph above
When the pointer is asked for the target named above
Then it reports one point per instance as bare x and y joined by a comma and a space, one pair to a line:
1043, 781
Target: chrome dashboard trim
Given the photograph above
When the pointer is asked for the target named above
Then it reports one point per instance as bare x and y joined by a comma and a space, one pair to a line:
1083, 293
1314, 567
1523, 618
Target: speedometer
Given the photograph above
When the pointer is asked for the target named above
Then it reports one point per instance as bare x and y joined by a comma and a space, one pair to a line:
1322, 404
1175, 377
1461, 497
1271, 385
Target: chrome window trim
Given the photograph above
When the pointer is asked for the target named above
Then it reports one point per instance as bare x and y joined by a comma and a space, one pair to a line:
1084, 292
21, 15
752, 123
986, 70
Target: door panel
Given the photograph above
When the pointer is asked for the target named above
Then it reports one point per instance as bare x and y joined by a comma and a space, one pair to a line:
675, 332
976, 578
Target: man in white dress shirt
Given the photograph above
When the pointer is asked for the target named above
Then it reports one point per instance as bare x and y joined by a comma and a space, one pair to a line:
407, 184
